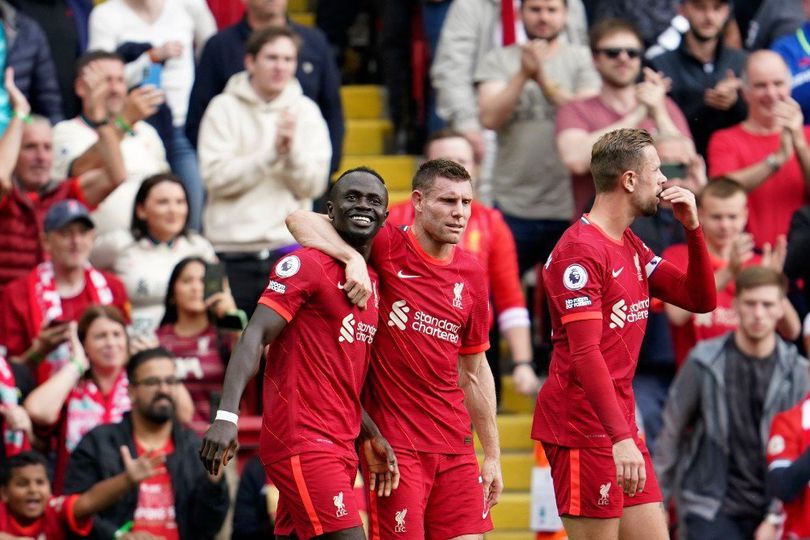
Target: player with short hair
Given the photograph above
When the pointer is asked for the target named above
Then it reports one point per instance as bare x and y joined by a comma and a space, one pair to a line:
599, 280
434, 320
316, 365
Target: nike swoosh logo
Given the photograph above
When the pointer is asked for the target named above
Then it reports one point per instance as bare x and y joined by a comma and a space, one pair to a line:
485, 514
616, 273
341, 286
406, 276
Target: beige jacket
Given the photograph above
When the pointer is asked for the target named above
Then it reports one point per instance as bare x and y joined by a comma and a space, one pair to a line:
251, 189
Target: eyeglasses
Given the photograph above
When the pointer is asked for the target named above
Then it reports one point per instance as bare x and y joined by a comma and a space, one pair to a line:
614, 52
154, 382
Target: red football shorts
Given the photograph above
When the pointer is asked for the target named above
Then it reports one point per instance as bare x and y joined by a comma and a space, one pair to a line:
585, 481
316, 494
440, 496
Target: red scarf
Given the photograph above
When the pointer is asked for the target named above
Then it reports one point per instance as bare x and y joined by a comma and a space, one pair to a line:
46, 306
86, 407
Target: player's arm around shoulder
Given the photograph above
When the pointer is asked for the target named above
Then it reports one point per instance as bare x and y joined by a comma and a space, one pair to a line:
475, 379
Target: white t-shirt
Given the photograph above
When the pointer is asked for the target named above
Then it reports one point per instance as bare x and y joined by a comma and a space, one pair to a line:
143, 154
190, 22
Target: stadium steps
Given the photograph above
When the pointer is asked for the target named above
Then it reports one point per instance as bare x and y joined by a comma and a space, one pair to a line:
299, 11
368, 139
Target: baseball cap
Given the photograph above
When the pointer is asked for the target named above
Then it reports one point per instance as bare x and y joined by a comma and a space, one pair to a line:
66, 212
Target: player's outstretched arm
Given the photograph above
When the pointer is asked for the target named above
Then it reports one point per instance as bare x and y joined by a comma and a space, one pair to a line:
219, 443
475, 379
315, 231
380, 457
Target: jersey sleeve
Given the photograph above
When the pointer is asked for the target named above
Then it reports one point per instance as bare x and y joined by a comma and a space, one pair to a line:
63, 506
292, 281
475, 335
785, 440
573, 280
504, 277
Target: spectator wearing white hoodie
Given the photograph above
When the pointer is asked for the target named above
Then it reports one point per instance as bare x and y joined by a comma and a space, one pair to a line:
264, 151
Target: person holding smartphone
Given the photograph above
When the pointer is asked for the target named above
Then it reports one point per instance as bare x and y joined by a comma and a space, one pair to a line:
200, 326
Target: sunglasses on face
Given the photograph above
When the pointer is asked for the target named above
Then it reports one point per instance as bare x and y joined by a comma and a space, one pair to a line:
614, 52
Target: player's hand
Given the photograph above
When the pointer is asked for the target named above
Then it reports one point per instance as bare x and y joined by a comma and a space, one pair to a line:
218, 446
146, 466
788, 114
493, 481
383, 470
50, 337
358, 283
525, 379
725, 93
631, 474
683, 204
285, 132
170, 49
6, 536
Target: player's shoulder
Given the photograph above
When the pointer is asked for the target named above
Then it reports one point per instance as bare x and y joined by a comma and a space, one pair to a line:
581, 238
304, 259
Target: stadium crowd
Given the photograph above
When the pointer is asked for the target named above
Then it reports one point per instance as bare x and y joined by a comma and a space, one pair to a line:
149, 162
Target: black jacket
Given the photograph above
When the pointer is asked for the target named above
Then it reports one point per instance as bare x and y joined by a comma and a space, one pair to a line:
224, 56
200, 505
30, 56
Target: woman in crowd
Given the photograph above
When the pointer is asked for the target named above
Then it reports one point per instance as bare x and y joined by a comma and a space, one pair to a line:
143, 256
199, 332
91, 389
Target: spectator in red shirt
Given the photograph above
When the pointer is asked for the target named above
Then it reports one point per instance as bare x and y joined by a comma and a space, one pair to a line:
722, 213
767, 153
91, 389
489, 239
28, 510
27, 189
38, 306
195, 330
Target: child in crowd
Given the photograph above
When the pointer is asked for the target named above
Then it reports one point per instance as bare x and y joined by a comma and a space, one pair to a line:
28, 510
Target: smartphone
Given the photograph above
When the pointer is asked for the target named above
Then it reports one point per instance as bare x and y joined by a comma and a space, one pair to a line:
214, 277
57, 322
674, 170
152, 75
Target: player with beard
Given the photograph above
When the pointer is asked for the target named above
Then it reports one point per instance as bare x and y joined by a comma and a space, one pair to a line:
180, 502
599, 279
429, 379
316, 366
520, 88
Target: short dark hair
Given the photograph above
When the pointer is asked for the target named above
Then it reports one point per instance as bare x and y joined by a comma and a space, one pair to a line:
608, 27
92, 313
261, 37
360, 169
92, 56
23, 459
720, 187
169, 303
144, 356
616, 152
138, 226
427, 173
759, 276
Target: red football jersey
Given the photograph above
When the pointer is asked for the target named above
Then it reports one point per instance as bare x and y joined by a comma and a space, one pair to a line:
432, 311
317, 365
790, 437
592, 276
55, 524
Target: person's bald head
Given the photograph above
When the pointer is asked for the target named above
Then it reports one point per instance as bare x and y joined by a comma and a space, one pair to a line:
766, 81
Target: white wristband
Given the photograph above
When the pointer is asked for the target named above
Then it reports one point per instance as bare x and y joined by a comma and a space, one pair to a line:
227, 416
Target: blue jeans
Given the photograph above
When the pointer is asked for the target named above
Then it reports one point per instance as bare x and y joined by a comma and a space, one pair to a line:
183, 161
651, 396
